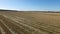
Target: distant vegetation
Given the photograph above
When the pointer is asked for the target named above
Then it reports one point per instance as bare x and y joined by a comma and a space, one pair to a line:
33, 11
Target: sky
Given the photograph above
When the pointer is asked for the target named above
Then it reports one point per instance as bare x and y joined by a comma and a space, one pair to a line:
35, 5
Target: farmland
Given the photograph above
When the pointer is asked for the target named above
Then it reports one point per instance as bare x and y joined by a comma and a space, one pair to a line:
29, 22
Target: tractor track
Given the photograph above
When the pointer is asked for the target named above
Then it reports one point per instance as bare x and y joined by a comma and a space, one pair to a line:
18, 28
14, 24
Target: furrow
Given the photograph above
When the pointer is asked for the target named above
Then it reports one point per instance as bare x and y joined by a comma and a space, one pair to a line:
8, 27
45, 27
2, 30
25, 25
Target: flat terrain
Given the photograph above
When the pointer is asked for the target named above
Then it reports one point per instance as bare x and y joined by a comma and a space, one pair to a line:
29, 23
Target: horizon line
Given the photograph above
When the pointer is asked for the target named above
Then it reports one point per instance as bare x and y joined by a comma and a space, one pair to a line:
28, 10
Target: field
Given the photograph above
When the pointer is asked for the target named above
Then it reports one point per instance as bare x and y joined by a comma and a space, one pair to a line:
29, 22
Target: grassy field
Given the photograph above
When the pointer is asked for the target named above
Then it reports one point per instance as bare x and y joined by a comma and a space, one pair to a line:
29, 23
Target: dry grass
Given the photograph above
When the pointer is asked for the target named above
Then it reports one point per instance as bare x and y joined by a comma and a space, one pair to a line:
48, 23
